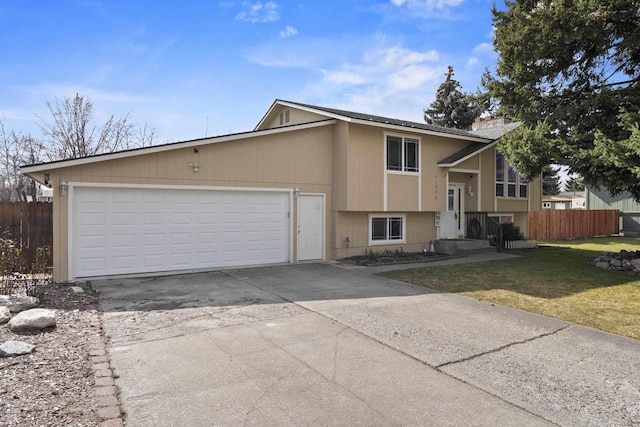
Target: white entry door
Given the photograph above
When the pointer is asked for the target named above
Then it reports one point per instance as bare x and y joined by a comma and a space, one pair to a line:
451, 224
310, 227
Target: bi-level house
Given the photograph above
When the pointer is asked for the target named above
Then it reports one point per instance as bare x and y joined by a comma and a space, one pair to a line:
308, 183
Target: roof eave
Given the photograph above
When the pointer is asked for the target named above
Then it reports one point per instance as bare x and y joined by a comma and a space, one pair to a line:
468, 156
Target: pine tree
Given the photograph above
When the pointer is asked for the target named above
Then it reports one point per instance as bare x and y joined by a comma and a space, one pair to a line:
570, 72
575, 183
451, 108
550, 180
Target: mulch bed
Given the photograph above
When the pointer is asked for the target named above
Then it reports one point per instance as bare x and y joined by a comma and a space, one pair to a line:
394, 258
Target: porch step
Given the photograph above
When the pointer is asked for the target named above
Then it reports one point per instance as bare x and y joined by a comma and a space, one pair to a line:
462, 246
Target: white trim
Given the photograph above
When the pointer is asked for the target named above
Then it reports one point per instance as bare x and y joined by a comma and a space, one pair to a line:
464, 170
479, 189
388, 215
499, 214
71, 209
388, 172
324, 223
168, 147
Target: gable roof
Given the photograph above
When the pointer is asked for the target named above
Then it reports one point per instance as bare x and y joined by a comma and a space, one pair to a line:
369, 119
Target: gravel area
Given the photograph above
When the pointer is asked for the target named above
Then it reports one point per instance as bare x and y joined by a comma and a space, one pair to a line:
54, 385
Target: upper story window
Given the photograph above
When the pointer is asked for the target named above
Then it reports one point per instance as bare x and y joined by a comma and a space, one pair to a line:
403, 154
508, 182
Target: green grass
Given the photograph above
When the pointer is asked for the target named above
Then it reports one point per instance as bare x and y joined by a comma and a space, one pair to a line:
554, 281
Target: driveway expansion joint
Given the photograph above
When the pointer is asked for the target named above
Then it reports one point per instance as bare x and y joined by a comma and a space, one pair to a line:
504, 347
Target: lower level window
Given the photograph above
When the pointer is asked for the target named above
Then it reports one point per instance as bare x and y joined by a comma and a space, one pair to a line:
386, 229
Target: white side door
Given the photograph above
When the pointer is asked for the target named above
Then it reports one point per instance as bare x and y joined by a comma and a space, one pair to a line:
451, 225
310, 227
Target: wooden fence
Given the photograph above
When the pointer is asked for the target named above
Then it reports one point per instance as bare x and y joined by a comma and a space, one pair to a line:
30, 225
571, 224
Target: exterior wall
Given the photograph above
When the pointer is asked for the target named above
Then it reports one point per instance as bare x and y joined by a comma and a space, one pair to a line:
402, 193
365, 169
419, 230
295, 117
487, 179
434, 178
300, 159
628, 207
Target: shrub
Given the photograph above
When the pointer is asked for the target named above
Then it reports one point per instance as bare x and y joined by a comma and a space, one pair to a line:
511, 232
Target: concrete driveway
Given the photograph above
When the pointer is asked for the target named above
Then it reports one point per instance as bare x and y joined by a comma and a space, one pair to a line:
334, 345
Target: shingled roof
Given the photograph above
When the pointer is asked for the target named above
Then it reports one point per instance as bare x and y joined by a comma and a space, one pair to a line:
387, 120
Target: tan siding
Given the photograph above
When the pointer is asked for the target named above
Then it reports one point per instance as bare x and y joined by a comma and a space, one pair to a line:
420, 230
470, 164
512, 205
488, 180
521, 220
434, 178
295, 117
402, 193
340, 164
365, 168
535, 194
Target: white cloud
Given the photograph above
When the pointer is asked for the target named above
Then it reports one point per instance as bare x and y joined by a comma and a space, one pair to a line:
259, 12
288, 32
344, 77
426, 4
484, 49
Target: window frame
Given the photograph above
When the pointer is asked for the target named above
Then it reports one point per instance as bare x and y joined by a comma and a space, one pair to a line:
388, 217
406, 165
508, 183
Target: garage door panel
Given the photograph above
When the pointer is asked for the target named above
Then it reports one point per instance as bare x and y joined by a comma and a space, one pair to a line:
122, 231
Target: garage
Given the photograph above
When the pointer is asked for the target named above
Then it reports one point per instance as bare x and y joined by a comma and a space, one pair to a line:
122, 230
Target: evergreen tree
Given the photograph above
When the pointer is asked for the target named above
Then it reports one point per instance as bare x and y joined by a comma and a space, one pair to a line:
451, 108
570, 71
550, 180
574, 184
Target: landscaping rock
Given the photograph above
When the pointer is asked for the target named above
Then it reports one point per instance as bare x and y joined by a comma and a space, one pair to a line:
34, 319
18, 303
5, 315
15, 348
628, 261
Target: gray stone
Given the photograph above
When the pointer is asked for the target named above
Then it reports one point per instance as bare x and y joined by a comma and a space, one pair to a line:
18, 303
615, 263
15, 348
602, 264
636, 263
5, 315
34, 319
77, 290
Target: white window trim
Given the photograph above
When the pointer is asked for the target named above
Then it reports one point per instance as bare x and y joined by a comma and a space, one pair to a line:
404, 137
388, 242
505, 181
500, 214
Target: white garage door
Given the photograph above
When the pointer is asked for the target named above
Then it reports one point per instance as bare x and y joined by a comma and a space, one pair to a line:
131, 230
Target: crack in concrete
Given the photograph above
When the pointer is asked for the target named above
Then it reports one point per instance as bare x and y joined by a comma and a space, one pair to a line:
496, 350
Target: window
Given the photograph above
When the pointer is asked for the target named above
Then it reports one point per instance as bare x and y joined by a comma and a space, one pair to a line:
402, 154
502, 218
508, 182
386, 229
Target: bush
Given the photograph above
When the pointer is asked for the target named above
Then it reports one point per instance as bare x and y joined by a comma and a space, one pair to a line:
511, 232
17, 276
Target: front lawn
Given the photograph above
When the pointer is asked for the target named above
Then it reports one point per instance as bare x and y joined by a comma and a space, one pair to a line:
554, 281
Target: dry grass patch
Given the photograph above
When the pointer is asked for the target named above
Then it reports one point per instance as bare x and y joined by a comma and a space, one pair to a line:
554, 281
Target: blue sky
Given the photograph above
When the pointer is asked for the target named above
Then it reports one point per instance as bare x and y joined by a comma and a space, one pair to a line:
206, 68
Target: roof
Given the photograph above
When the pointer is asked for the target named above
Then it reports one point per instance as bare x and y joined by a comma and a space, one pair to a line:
495, 132
372, 119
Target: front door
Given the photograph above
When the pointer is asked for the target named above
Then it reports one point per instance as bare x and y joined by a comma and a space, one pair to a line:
310, 227
451, 225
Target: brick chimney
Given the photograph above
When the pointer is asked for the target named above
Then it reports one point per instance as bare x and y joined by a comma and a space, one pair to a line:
489, 122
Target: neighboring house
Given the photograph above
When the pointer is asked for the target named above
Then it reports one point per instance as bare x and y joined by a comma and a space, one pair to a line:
628, 207
565, 200
308, 183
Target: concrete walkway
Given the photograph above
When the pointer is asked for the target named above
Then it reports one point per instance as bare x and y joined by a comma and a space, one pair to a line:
333, 344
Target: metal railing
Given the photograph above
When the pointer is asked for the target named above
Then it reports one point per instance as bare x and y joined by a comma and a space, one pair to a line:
483, 227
